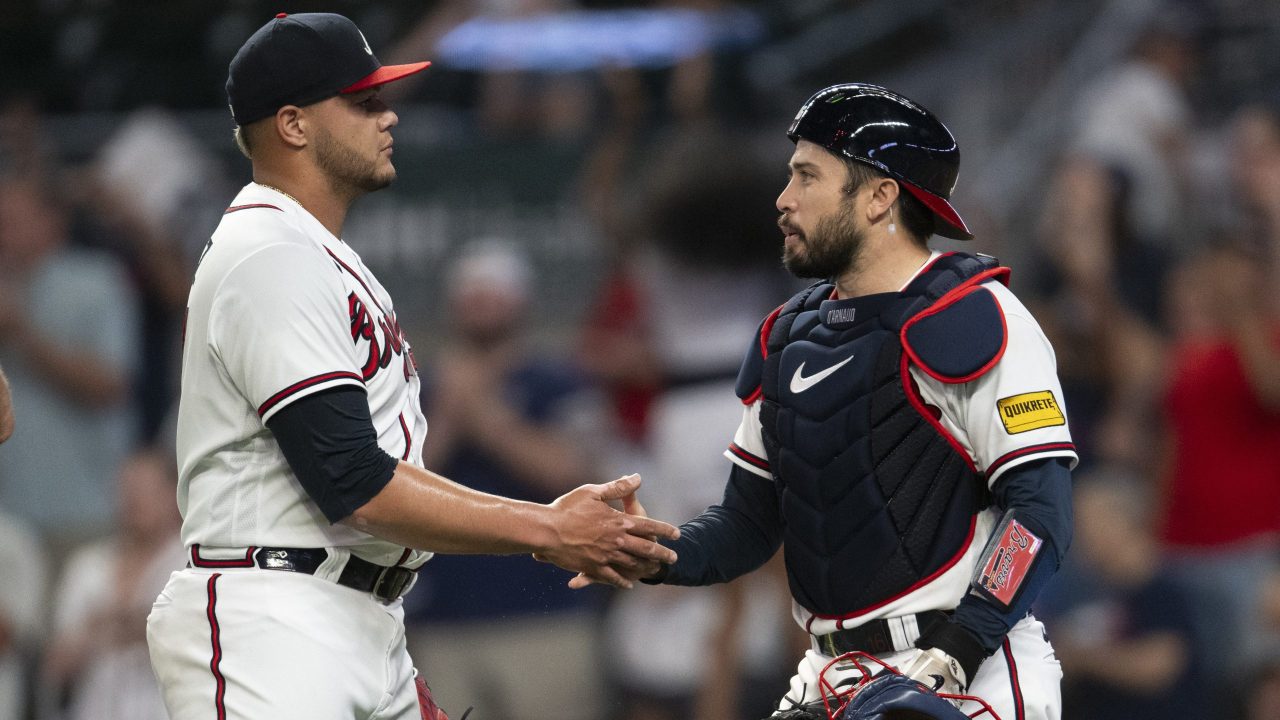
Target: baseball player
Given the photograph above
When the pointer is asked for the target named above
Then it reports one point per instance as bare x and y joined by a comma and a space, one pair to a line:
306, 511
903, 438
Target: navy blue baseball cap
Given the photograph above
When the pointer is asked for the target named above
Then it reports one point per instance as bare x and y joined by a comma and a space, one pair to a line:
302, 59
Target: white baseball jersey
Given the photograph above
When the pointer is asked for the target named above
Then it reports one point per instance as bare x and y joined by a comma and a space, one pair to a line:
1013, 414
281, 309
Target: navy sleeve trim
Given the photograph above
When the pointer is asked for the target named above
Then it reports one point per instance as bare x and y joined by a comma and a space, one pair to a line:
1005, 459
747, 457
301, 385
330, 443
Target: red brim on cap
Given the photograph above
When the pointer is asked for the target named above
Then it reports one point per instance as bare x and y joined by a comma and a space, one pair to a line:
384, 75
951, 226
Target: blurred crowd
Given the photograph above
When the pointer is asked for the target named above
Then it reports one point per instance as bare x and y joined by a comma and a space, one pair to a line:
1149, 261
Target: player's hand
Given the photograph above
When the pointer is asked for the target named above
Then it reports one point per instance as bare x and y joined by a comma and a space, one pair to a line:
937, 671
642, 569
603, 544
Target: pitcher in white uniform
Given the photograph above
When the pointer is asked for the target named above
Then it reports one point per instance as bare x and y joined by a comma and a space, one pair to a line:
306, 509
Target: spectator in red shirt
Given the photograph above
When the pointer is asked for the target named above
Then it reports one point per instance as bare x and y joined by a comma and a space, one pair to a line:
1220, 521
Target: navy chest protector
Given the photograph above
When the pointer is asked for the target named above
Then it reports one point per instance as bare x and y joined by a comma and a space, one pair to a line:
876, 497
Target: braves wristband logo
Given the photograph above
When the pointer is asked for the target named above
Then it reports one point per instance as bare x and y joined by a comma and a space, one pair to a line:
1007, 562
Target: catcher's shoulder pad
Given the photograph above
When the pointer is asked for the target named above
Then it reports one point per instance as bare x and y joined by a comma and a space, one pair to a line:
894, 697
960, 337
752, 370
751, 375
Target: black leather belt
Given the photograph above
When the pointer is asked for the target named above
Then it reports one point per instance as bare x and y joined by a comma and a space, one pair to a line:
383, 582
875, 636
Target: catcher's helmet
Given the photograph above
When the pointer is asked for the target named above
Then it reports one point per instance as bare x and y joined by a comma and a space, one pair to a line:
879, 127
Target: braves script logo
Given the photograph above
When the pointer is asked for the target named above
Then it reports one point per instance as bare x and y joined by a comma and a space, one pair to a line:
1004, 559
1008, 564
386, 340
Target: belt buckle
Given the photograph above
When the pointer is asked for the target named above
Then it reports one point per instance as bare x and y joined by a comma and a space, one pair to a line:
388, 586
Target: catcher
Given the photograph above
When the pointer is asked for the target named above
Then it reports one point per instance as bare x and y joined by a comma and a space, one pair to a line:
903, 437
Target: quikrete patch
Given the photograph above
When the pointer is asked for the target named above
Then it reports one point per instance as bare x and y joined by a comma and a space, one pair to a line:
1030, 411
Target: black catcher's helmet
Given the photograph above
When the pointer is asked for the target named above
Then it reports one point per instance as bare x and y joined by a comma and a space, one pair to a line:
893, 134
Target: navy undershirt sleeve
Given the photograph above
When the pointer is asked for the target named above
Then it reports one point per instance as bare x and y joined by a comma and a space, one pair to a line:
329, 441
730, 539
1041, 492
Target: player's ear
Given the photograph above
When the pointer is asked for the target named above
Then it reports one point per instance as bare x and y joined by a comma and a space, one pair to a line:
290, 126
884, 193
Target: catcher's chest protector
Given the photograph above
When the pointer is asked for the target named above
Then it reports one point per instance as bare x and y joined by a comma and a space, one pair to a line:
874, 497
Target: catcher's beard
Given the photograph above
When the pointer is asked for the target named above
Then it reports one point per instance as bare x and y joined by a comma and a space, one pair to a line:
834, 246
349, 173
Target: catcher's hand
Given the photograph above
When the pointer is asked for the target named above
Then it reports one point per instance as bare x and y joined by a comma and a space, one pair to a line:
937, 671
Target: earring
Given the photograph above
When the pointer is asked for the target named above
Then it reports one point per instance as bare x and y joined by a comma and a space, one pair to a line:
893, 229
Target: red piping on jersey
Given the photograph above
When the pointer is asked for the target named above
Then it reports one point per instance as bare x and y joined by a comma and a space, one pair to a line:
1019, 710
747, 457
1012, 455
942, 304
303, 385
215, 638
237, 208
765, 330
359, 279
964, 547
913, 396
244, 562
408, 440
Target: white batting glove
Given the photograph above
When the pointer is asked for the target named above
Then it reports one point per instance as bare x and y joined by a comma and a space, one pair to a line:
937, 671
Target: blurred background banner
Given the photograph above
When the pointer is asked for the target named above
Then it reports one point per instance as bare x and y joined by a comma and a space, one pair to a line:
614, 164
587, 40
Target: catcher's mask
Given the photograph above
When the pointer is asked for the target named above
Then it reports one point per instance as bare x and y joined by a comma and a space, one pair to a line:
885, 694
891, 133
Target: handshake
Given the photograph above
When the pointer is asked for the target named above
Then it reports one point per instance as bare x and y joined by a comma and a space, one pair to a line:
605, 545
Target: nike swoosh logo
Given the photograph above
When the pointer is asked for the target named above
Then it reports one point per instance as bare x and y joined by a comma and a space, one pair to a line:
800, 383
